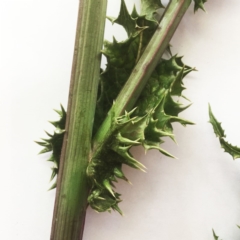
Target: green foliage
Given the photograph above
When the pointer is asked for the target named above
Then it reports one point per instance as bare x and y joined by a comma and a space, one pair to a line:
154, 112
234, 151
54, 143
121, 58
147, 124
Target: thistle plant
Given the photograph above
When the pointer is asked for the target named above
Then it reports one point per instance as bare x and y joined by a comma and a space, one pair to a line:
135, 102
234, 151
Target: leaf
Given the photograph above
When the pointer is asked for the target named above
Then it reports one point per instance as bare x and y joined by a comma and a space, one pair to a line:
218, 130
121, 58
54, 143
234, 151
146, 124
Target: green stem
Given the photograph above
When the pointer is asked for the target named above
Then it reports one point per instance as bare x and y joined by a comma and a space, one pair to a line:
143, 70
72, 187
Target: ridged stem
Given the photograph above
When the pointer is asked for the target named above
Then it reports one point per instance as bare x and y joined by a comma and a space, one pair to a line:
72, 187
143, 70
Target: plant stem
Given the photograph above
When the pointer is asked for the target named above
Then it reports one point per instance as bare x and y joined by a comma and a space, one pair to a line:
143, 70
72, 187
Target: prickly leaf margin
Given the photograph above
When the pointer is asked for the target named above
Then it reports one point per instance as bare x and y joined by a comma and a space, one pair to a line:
152, 117
147, 123
234, 151
54, 143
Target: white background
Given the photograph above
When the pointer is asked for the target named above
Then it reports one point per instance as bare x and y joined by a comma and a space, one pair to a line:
176, 199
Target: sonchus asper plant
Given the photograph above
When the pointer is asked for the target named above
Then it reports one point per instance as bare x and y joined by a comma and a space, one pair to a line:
234, 151
132, 103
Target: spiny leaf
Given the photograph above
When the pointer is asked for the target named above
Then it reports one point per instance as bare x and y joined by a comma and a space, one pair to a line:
146, 124
121, 58
234, 151
54, 143
218, 130
149, 121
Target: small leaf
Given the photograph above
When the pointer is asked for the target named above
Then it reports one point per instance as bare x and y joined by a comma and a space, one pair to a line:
234, 151
54, 143
216, 125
